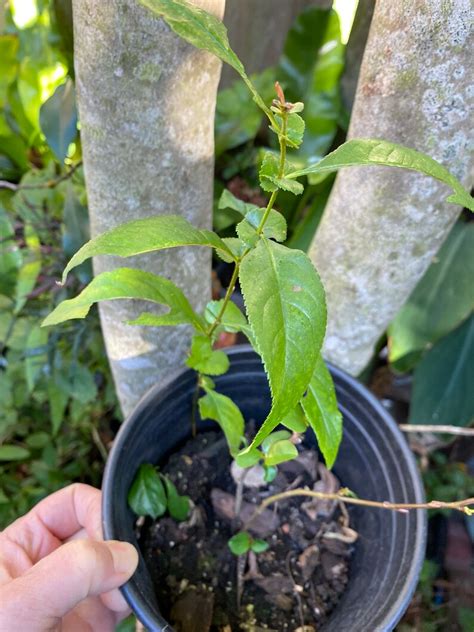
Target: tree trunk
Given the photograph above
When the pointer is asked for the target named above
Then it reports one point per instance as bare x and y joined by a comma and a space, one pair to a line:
383, 226
257, 31
146, 104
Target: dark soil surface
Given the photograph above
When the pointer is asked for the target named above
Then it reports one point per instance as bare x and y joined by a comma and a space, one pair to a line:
201, 586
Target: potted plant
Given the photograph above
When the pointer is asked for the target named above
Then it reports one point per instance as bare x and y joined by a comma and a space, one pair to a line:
263, 422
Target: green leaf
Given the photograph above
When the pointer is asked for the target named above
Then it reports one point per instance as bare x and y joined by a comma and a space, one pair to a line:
82, 386
35, 351
310, 69
286, 309
247, 233
129, 283
38, 440
296, 420
280, 451
30, 269
204, 359
178, 506
322, 413
381, 152
147, 496
232, 319
270, 473
58, 119
259, 546
13, 453
440, 302
222, 409
10, 255
247, 459
275, 225
58, 399
270, 179
240, 543
294, 131
442, 387
272, 438
147, 235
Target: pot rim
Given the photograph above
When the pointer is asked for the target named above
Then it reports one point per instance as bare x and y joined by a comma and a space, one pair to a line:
146, 615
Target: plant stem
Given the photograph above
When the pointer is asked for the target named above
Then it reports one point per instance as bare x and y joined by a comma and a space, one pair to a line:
227, 296
460, 505
50, 184
435, 429
270, 204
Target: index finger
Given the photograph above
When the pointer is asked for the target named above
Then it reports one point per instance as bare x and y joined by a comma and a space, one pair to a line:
56, 518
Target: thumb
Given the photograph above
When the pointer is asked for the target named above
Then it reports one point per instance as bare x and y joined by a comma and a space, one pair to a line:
74, 571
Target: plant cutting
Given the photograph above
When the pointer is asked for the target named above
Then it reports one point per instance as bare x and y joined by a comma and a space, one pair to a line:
284, 322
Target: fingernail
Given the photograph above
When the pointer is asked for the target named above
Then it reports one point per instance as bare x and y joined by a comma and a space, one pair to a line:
125, 557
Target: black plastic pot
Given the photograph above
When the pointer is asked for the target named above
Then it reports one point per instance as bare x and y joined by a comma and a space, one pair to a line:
374, 461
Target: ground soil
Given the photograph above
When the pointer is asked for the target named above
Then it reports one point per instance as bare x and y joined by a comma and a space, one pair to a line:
202, 587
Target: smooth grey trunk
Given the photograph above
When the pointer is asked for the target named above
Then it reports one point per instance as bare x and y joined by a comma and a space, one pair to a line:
146, 104
382, 227
257, 31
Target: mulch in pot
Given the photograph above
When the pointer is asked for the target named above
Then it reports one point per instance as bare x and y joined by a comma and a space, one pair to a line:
294, 585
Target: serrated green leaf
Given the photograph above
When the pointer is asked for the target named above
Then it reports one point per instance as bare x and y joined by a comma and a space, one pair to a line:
296, 420
442, 386
269, 176
440, 302
275, 224
322, 413
203, 30
222, 409
295, 129
286, 309
178, 506
13, 453
259, 546
240, 543
359, 152
268, 171
280, 451
58, 119
204, 359
146, 235
247, 233
235, 246
147, 496
228, 200
129, 283
232, 319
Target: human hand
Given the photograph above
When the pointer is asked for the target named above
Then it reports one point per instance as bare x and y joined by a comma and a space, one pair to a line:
57, 573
